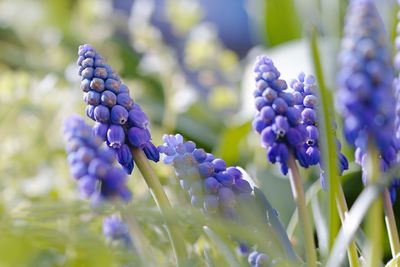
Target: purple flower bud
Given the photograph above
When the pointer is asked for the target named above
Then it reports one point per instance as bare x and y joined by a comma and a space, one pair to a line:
260, 102
100, 73
212, 185
98, 168
268, 136
85, 85
97, 85
87, 186
90, 111
87, 73
199, 154
115, 229
267, 114
243, 186
269, 95
281, 126
78, 170
119, 115
313, 155
123, 89
92, 98
206, 169
138, 118
151, 152
100, 130
259, 124
85, 154
108, 98
309, 116
225, 178
234, 172
294, 137
310, 101
115, 136
219, 165
101, 113
113, 85
293, 115
138, 137
125, 100
280, 106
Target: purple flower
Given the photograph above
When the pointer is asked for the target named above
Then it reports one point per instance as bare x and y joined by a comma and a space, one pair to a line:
212, 186
110, 104
366, 98
114, 229
92, 163
307, 104
277, 119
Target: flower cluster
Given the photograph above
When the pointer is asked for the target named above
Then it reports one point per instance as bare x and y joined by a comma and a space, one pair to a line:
212, 186
365, 97
304, 91
116, 230
278, 121
92, 163
119, 121
287, 118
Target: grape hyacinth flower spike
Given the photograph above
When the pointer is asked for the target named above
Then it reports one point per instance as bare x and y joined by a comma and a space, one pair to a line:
366, 101
119, 121
306, 101
278, 121
92, 164
213, 187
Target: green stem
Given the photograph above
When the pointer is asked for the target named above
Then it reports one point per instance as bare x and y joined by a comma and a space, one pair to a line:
391, 224
374, 222
327, 141
163, 204
298, 195
343, 210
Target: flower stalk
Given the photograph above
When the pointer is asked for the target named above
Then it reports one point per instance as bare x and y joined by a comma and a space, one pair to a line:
374, 221
162, 202
298, 195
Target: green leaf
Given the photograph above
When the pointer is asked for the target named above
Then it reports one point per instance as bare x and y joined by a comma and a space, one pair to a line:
229, 144
222, 247
281, 22
354, 219
276, 224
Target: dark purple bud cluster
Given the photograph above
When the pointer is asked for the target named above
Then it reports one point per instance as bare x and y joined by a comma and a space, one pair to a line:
365, 97
304, 91
114, 229
119, 121
92, 163
278, 120
212, 186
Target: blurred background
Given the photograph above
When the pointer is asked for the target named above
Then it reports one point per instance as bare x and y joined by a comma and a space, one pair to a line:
188, 63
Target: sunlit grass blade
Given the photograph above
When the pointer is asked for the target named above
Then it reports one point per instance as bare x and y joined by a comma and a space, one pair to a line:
355, 217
